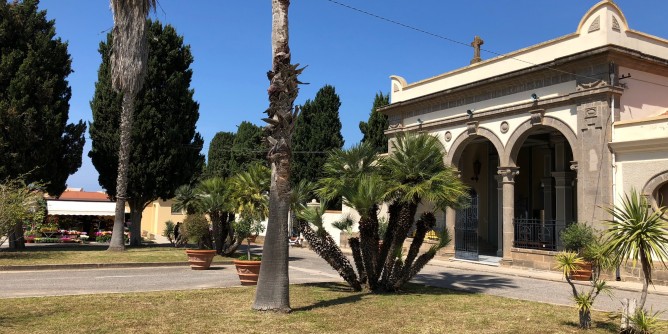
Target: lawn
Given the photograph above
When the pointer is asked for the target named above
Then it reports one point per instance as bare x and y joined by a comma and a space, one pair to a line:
317, 308
94, 254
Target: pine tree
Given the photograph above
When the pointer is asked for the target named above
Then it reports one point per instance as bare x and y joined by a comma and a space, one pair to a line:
374, 129
166, 148
317, 130
36, 142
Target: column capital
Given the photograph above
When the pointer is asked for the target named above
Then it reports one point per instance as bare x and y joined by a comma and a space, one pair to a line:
563, 179
508, 174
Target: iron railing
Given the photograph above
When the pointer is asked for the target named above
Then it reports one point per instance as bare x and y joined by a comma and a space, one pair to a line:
537, 234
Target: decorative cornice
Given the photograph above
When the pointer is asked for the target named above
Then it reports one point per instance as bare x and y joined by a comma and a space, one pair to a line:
641, 145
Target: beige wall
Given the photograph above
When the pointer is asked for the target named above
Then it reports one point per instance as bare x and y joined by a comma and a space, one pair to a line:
156, 214
644, 96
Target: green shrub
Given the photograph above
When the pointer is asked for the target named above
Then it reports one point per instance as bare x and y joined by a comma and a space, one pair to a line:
195, 229
577, 237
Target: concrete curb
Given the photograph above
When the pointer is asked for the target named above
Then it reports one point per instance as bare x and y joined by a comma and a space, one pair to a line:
98, 266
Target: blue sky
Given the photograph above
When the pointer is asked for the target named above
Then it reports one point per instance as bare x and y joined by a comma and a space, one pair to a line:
355, 53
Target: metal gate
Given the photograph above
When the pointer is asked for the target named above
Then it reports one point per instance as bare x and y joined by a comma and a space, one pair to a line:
466, 231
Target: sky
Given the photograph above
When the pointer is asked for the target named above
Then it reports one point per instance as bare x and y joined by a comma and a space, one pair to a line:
354, 52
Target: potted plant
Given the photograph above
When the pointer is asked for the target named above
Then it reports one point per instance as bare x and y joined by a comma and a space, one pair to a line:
195, 229
579, 238
248, 265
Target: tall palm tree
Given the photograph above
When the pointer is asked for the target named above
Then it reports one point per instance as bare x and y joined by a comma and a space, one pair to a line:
129, 60
637, 233
273, 289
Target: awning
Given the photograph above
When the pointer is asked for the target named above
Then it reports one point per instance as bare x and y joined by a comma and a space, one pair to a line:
81, 208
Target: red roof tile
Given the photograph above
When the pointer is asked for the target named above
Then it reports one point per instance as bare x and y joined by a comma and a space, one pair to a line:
83, 196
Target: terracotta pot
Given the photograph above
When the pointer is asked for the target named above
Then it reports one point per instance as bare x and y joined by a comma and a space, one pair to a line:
248, 271
582, 274
200, 259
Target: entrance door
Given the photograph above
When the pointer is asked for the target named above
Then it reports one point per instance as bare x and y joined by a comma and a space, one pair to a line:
466, 231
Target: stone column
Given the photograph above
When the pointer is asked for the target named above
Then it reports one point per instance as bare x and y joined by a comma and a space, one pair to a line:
546, 182
450, 216
508, 184
564, 196
499, 214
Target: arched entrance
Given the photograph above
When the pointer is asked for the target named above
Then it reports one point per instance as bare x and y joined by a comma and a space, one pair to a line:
544, 194
477, 228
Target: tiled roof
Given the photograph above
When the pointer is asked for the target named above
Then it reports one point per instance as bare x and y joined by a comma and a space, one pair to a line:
83, 196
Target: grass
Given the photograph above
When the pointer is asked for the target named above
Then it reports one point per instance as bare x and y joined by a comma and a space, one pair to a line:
317, 308
94, 254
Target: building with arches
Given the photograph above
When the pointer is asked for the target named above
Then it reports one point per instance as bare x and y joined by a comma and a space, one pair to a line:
547, 135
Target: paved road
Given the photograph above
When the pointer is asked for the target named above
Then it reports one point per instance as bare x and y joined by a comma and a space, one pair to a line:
305, 266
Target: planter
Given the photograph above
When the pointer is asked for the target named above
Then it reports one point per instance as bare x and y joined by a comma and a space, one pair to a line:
249, 271
200, 259
582, 274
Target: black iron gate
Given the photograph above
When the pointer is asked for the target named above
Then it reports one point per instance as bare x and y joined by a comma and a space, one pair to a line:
466, 231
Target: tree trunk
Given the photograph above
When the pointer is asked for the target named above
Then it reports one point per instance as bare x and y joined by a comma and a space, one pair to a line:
585, 319
273, 287
647, 278
16, 239
355, 247
218, 230
388, 237
327, 248
404, 222
117, 243
369, 246
137, 207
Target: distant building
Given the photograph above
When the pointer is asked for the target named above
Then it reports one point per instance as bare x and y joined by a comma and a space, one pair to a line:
546, 135
90, 212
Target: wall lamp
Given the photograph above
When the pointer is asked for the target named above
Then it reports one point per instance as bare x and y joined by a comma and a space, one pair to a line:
420, 121
470, 113
534, 97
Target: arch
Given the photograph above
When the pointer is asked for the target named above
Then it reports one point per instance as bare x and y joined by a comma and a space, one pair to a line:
624, 23
523, 131
653, 185
460, 143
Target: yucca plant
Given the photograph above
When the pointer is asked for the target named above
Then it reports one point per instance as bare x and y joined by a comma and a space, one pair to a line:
637, 234
568, 262
643, 322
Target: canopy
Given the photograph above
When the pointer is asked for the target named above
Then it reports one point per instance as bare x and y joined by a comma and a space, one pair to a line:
80, 208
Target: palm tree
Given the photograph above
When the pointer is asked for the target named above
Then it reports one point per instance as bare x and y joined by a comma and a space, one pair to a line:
637, 233
249, 192
212, 198
129, 60
185, 199
273, 289
416, 172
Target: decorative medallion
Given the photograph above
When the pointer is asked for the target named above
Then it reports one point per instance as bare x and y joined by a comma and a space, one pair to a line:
504, 127
448, 136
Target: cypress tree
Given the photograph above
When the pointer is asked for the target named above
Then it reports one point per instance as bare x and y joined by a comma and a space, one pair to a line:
317, 130
374, 129
219, 162
36, 142
248, 147
166, 148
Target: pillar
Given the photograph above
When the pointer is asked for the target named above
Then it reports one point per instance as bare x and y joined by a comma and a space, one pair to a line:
450, 216
508, 185
563, 182
499, 214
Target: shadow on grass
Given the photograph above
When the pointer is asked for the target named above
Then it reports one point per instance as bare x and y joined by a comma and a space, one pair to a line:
475, 283
353, 297
610, 323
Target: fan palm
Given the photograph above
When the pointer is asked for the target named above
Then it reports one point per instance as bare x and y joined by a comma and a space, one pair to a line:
344, 167
249, 192
637, 233
129, 60
212, 199
185, 199
415, 172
